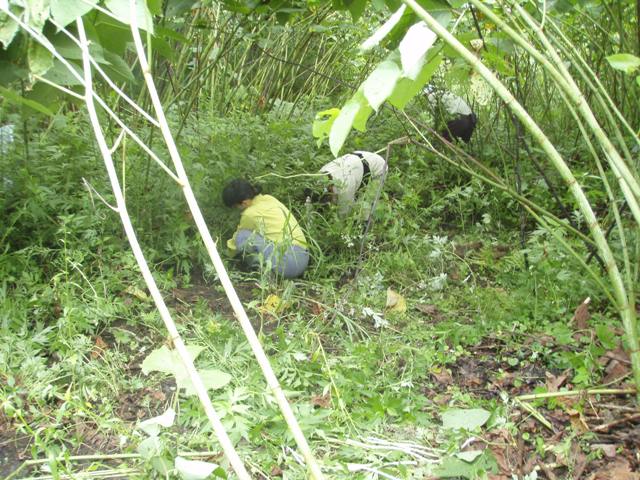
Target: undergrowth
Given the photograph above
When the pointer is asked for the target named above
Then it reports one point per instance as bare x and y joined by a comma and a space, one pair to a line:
76, 323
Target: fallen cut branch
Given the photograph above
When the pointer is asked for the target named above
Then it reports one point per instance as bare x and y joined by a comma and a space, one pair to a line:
574, 393
605, 427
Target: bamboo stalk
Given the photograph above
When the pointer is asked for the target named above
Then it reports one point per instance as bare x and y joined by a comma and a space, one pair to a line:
625, 308
214, 255
626, 179
179, 345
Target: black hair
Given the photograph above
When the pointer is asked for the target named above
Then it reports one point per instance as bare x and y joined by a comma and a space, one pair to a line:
462, 128
237, 191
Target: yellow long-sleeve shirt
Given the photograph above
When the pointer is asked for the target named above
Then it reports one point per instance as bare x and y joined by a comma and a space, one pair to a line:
270, 218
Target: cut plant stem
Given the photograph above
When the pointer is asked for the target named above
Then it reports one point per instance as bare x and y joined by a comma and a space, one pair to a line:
536, 414
574, 393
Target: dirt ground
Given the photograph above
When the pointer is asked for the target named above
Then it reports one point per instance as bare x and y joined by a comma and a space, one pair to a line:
570, 437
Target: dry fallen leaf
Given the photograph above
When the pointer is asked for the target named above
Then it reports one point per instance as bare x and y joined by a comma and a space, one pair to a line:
582, 315
395, 302
316, 308
98, 347
442, 375
619, 470
577, 421
615, 371
553, 382
136, 292
323, 401
430, 310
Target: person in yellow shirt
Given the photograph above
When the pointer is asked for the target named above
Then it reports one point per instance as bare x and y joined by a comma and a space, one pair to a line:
267, 231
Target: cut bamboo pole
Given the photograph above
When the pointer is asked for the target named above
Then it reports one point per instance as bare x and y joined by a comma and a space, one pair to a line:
214, 255
179, 345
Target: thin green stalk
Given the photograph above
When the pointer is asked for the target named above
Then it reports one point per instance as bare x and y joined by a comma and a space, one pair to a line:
598, 83
614, 206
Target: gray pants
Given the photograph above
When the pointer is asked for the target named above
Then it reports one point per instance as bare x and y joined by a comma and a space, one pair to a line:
290, 263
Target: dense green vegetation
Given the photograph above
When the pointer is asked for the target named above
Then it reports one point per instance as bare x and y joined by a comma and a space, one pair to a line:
407, 352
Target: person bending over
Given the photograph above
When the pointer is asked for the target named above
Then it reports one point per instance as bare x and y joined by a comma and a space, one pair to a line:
267, 231
460, 119
347, 175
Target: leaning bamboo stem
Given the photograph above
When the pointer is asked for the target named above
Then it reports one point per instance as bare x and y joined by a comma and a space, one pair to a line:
180, 347
210, 245
600, 87
626, 179
534, 210
626, 310
597, 89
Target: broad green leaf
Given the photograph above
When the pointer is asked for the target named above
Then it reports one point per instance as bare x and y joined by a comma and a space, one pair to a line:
161, 46
413, 49
342, 125
465, 39
117, 68
155, 7
71, 51
624, 61
406, 88
194, 469
211, 378
169, 33
62, 76
13, 97
162, 465
638, 79
469, 456
457, 418
178, 7
498, 62
164, 360
122, 11
37, 13
8, 27
382, 32
380, 83
452, 467
150, 447
66, 11
40, 59
323, 122
152, 426
360, 120
10, 72
168, 361
356, 8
